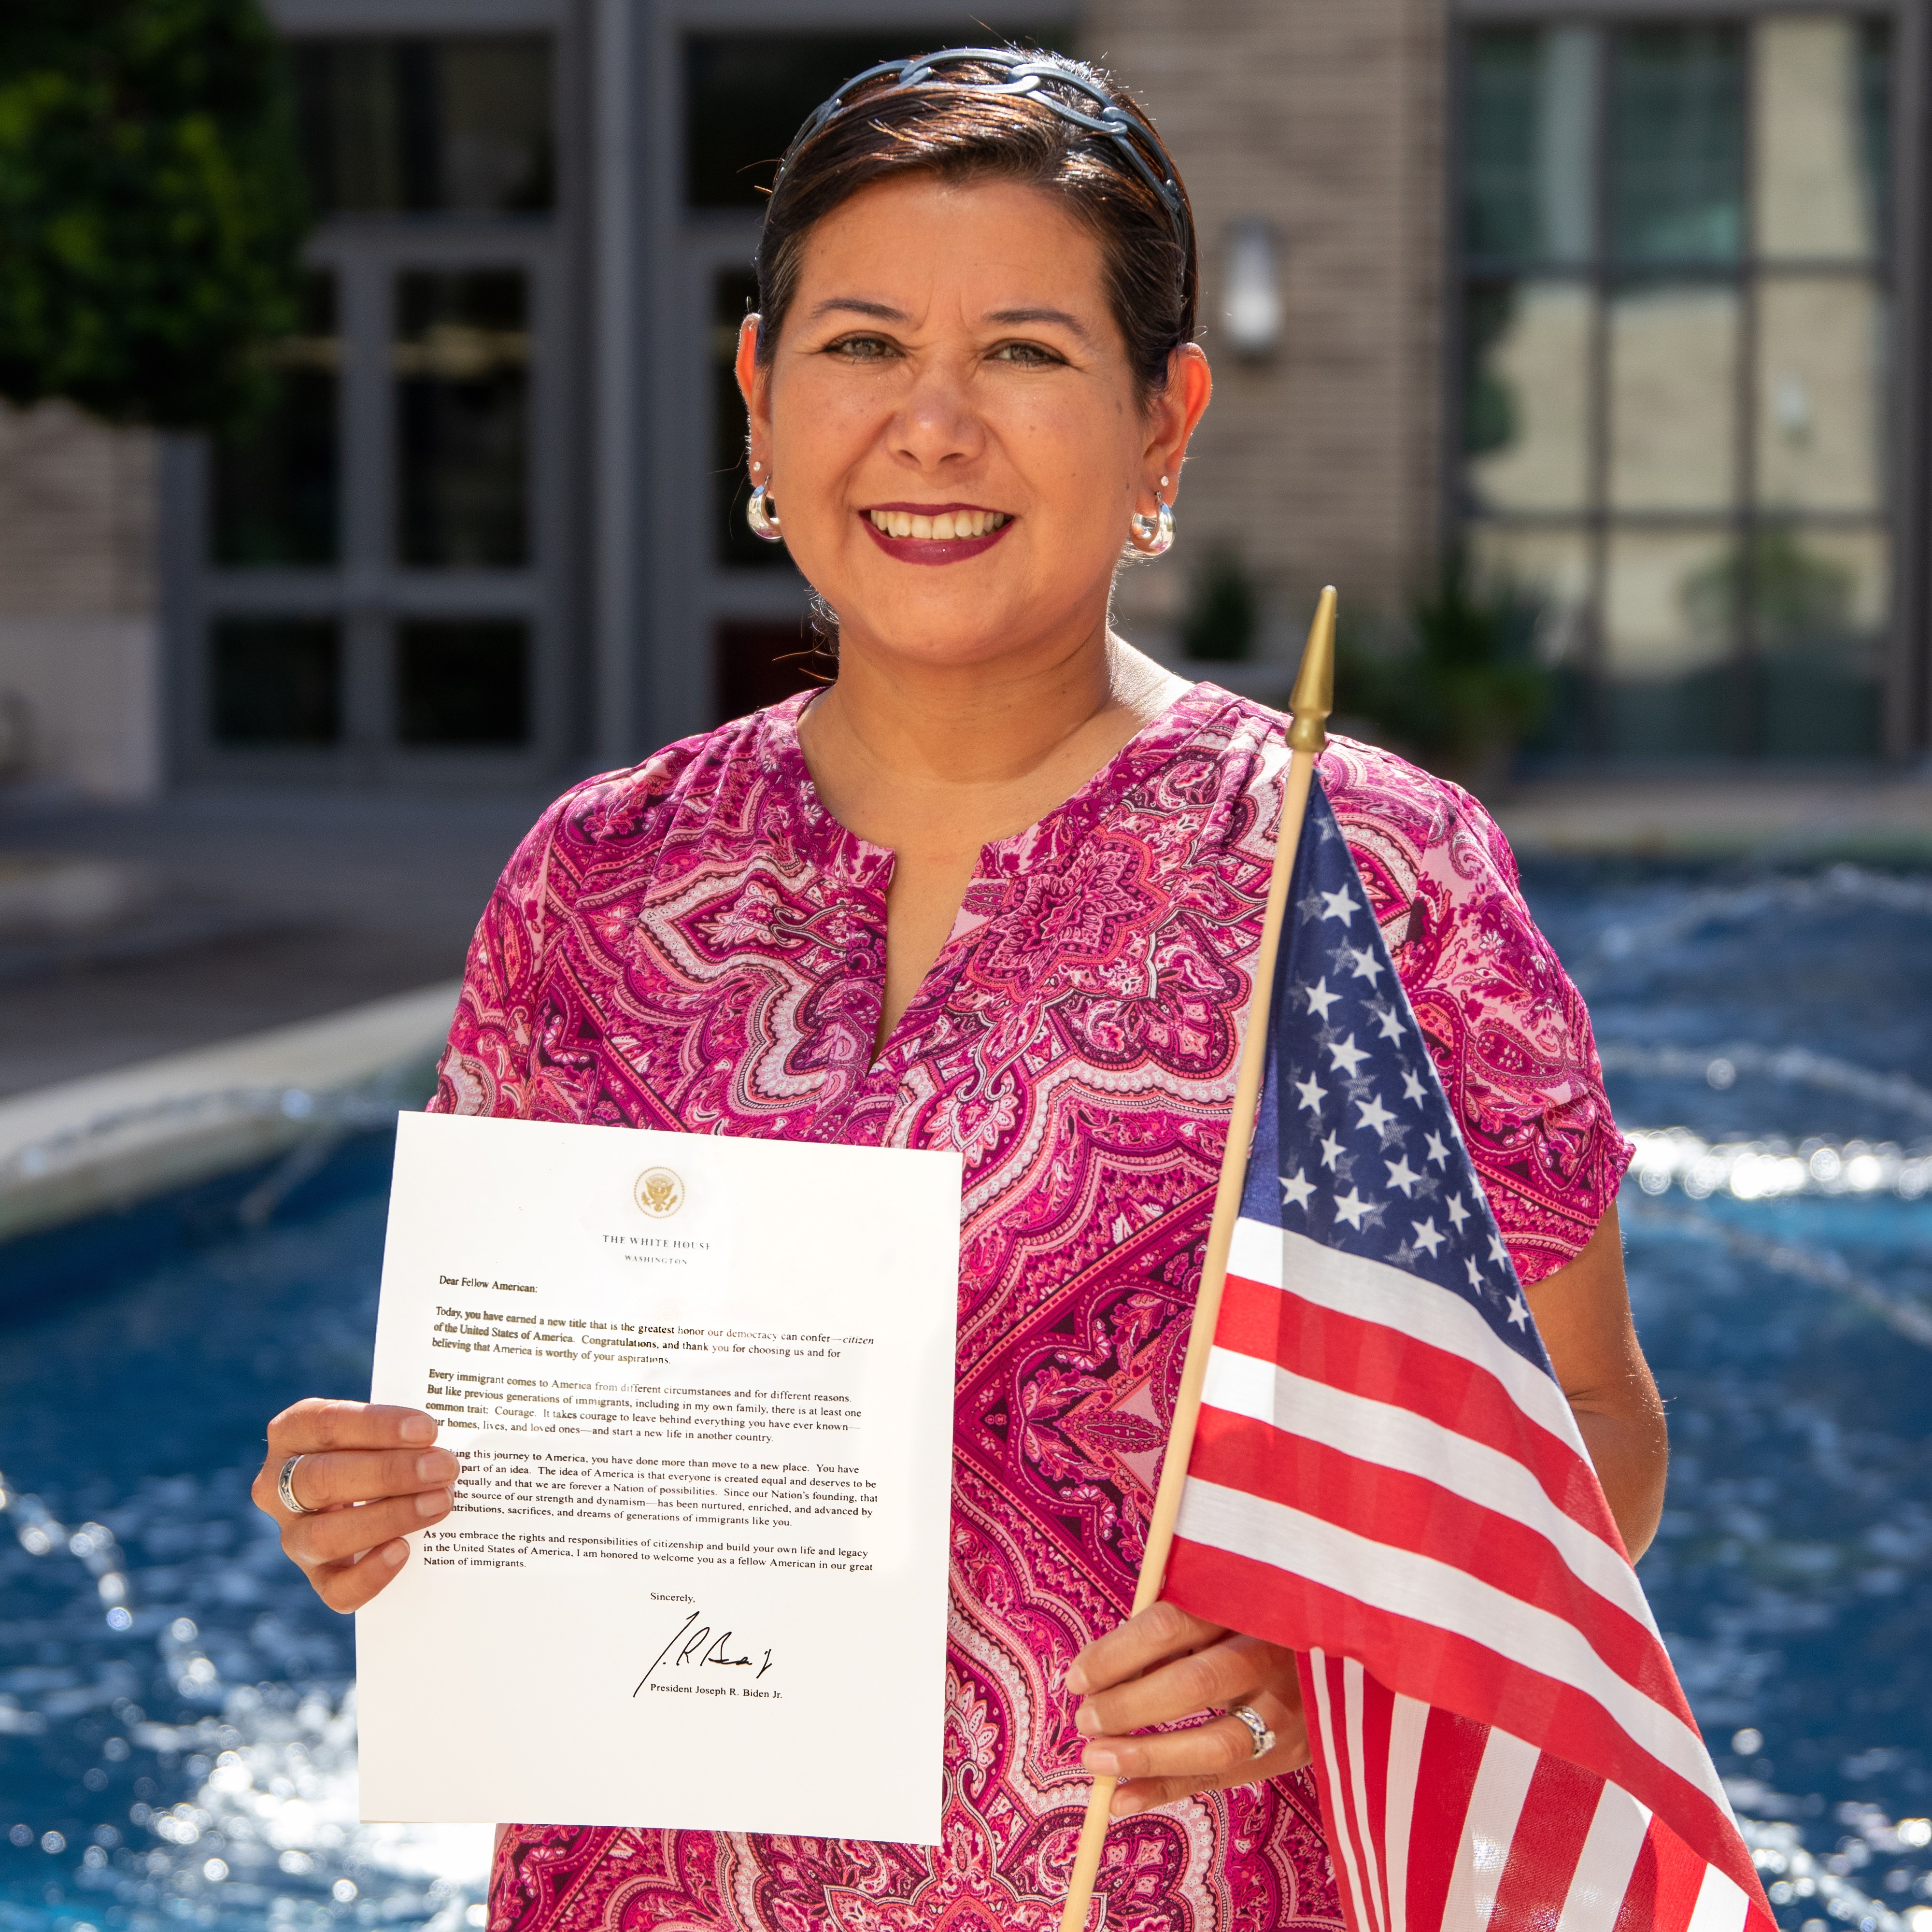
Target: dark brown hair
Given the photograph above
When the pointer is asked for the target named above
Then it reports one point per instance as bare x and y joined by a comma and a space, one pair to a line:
955, 126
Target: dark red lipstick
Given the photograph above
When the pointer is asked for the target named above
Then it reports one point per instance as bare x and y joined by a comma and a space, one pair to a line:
930, 550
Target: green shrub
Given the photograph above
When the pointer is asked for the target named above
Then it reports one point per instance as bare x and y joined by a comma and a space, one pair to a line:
1223, 611
152, 206
1462, 689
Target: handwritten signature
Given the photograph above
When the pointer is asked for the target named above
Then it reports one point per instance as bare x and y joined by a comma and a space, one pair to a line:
698, 1649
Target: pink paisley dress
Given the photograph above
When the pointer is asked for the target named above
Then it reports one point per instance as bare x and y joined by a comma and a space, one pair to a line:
696, 944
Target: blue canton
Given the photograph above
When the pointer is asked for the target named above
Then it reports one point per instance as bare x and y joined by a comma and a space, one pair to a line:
1355, 1146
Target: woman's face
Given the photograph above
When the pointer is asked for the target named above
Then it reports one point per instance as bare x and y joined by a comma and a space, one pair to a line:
949, 423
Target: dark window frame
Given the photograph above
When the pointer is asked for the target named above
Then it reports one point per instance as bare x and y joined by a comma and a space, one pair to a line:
1900, 268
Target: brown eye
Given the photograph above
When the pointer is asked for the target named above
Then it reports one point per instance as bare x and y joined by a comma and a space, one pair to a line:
861, 349
1027, 354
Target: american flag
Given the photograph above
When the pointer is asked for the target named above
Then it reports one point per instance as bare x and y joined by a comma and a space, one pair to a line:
1386, 1479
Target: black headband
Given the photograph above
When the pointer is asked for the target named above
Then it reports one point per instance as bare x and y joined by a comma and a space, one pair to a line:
1034, 78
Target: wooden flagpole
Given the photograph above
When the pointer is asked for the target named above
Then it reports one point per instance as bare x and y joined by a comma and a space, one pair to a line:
1312, 701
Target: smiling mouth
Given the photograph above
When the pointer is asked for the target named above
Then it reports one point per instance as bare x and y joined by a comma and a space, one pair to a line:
945, 527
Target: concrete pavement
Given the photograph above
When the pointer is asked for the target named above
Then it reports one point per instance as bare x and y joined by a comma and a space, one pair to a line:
130, 933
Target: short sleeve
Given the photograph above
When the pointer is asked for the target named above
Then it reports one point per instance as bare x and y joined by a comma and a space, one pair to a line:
486, 1066
1506, 1027
512, 1051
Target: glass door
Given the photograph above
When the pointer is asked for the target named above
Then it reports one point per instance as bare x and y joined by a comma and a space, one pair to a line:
381, 557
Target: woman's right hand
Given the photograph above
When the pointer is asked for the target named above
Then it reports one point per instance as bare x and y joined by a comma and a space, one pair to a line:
369, 1475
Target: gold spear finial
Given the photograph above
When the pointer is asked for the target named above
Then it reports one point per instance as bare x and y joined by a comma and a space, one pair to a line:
1314, 696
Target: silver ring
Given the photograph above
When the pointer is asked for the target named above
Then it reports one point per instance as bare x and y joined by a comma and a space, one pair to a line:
285, 1489
1264, 1737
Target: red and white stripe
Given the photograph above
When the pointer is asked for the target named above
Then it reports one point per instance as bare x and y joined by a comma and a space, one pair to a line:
1439, 1822
1379, 1484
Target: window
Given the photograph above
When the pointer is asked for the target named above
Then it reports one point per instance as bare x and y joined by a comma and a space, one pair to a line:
755, 665
463, 683
426, 127
381, 578
276, 682
746, 94
462, 354
1674, 381
275, 488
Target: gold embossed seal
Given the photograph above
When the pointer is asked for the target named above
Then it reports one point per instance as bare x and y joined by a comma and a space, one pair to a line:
659, 1193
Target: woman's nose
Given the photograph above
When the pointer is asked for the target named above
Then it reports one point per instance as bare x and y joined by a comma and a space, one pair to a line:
936, 421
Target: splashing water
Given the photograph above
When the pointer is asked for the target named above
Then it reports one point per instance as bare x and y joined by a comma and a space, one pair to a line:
1768, 1045
177, 1710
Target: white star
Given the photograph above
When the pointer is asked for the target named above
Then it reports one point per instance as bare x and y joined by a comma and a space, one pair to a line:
1295, 1191
1389, 1020
1347, 1055
1374, 1113
1428, 1235
1438, 1155
1498, 1253
1318, 996
1351, 1208
1366, 966
1331, 1151
1401, 1175
1475, 1273
1458, 1214
1340, 905
1313, 1094
1518, 1313
1412, 1088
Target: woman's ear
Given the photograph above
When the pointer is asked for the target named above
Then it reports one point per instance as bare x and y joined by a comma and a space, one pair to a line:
754, 386
1178, 407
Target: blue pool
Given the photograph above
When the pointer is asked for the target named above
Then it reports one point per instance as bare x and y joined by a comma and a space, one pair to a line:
177, 1712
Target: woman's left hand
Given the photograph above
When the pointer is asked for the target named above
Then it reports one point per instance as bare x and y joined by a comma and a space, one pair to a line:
1163, 1667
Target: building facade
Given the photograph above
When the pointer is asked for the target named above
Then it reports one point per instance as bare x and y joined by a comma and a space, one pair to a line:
1624, 304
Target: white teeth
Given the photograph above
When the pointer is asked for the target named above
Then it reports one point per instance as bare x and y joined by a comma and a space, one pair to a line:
949, 526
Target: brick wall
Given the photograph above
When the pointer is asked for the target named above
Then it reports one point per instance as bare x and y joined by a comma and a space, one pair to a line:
80, 645
1326, 118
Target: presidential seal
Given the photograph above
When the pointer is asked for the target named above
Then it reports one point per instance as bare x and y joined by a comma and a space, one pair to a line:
659, 1193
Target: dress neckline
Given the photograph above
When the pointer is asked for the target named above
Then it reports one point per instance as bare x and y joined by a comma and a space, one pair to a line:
828, 844
1045, 846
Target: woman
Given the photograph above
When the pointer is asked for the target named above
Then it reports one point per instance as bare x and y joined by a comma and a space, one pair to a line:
998, 890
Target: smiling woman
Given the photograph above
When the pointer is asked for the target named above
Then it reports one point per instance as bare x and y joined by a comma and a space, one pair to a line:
999, 889
983, 379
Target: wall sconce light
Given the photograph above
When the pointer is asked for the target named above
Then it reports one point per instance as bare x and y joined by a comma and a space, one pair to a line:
1251, 298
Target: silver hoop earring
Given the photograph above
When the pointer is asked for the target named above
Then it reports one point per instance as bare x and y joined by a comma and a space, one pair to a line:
1154, 534
758, 514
